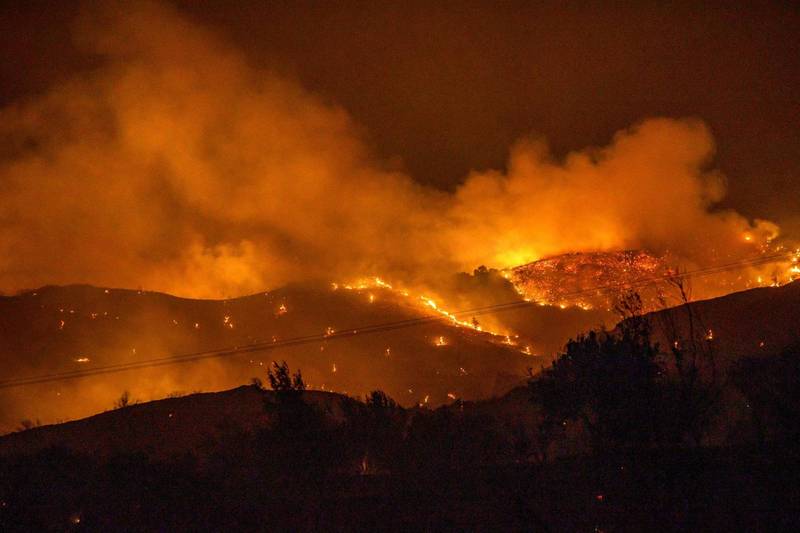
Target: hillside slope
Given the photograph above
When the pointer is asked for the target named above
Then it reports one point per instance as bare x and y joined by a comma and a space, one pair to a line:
763, 321
62, 329
161, 428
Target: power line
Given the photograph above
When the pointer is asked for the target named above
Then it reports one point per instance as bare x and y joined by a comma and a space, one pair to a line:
387, 326
374, 328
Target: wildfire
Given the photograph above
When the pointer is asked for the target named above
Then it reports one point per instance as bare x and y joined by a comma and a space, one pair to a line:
424, 300
82, 360
566, 280
440, 341
595, 279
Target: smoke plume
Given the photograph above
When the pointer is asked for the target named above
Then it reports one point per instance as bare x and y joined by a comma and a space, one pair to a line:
177, 166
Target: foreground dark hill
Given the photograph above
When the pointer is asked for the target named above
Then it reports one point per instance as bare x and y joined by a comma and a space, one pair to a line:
184, 464
163, 428
76, 328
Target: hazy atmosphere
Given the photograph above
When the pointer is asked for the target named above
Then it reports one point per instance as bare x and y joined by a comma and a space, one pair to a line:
158, 147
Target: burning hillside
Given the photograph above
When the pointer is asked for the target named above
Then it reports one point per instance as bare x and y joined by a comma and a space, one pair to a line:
349, 339
584, 279
597, 279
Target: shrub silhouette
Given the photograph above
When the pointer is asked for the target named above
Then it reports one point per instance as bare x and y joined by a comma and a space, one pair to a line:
613, 385
281, 380
375, 431
124, 400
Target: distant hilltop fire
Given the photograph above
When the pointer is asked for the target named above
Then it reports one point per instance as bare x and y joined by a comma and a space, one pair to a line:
597, 279
590, 279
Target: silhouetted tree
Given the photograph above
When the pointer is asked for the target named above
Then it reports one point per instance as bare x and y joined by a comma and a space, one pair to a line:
610, 382
301, 444
696, 389
281, 380
618, 386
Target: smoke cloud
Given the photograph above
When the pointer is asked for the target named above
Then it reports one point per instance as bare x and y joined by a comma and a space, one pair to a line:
177, 166
650, 188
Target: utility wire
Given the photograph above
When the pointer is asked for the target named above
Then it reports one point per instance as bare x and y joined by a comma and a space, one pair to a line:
374, 328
